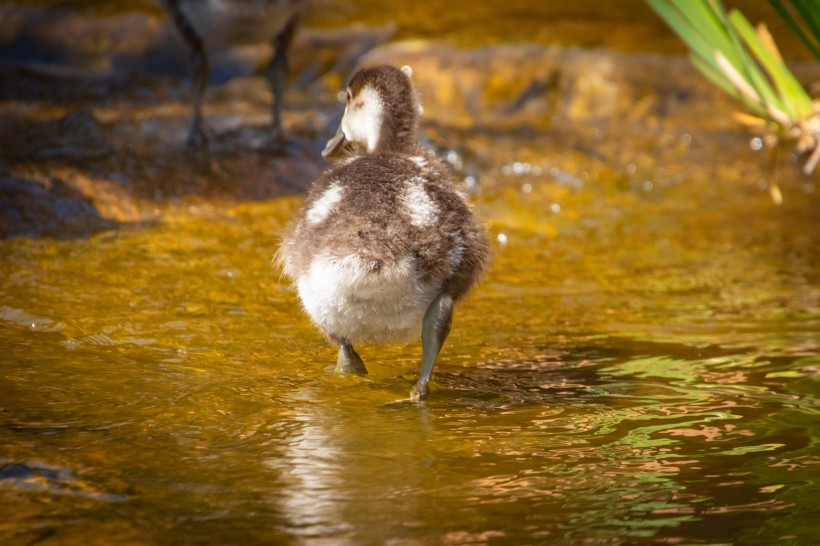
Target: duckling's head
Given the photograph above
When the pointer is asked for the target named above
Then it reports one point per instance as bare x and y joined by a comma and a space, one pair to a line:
381, 114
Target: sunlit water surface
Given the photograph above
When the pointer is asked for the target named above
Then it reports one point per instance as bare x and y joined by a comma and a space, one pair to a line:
639, 367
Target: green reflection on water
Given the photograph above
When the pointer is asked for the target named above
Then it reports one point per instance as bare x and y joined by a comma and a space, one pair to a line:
649, 374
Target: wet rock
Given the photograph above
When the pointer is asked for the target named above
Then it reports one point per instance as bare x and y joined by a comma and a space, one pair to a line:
66, 37
539, 86
15, 471
75, 135
32, 470
330, 56
41, 477
30, 206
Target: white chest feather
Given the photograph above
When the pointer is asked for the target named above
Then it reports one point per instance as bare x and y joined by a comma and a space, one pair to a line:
349, 300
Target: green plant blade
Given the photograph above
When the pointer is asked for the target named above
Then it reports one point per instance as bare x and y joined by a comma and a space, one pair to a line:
812, 43
794, 101
809, 11
690, 35
745, 64
718, 78
709, 26
705, 27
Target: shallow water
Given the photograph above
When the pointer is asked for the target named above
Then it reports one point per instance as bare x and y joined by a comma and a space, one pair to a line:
639, 367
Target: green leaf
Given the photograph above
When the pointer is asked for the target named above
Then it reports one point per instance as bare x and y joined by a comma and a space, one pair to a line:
740, 58
809, 11
708, 24
690, 35
812, 42
717, 77
794, 100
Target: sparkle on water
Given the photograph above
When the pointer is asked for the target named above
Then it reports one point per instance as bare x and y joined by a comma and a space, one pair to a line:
639, 368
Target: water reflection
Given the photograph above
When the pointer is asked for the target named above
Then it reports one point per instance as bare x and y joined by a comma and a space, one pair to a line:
591, 441
310, 471
554, 448
640, 380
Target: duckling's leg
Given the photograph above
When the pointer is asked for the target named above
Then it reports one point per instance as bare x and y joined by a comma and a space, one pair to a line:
199, 63
349, 360
277, 71
434, 330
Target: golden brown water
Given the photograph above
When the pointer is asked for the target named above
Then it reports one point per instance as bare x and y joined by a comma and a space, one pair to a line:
639, 367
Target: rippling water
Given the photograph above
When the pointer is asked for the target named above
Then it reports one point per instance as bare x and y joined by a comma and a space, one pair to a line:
639, 367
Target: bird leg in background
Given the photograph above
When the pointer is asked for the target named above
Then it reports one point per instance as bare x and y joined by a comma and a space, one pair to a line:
201, 69
277, 72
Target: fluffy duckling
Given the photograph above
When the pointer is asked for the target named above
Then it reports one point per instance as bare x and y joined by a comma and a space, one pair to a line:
206, 23
384, 245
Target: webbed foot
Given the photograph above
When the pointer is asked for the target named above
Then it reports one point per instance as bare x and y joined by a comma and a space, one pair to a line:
349, 361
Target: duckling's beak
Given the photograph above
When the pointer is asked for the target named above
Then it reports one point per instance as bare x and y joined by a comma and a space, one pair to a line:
334, 144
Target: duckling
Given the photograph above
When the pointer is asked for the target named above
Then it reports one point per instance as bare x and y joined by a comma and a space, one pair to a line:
384, 245
205, 23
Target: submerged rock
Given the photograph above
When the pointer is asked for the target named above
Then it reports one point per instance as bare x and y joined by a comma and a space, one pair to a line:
34, 476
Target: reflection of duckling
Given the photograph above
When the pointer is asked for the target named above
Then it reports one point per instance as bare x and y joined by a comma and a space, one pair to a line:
384, 244
204, 23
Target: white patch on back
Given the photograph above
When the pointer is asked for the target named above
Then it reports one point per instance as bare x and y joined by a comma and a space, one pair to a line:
362, 120
419, 160
323, 206
417, 204
346, 298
